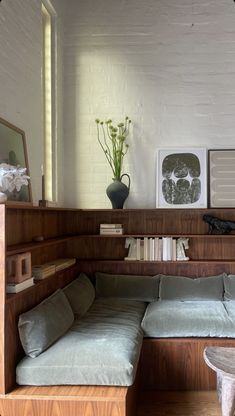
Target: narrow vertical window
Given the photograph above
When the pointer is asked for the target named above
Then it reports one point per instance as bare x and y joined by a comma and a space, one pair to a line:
48, 77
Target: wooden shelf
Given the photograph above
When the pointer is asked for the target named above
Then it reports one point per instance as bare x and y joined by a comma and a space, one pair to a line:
21, 248
12, 205
155, 235
108, 261
38, 285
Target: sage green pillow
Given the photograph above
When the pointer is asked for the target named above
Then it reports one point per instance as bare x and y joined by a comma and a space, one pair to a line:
80, 294
133, 287
186, 288
229, 287
41, 326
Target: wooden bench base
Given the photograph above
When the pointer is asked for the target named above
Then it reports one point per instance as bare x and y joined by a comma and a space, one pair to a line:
69, 400
178, 364
165, 364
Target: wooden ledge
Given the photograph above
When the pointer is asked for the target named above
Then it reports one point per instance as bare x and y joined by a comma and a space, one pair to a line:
93, 393
69, 400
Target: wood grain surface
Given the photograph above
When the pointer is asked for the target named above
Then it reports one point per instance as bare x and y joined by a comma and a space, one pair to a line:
203, 403
165, 364
69, 400
2, 298
178, 364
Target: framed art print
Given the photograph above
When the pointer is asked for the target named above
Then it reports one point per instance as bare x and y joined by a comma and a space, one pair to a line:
182, 178
221, 178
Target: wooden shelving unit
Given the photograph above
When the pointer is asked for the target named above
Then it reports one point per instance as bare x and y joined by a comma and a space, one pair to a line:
75, 233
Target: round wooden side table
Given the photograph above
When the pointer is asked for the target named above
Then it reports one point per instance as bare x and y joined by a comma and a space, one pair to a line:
222, 361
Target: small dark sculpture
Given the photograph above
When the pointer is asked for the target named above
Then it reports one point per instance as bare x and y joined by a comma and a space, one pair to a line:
221, 226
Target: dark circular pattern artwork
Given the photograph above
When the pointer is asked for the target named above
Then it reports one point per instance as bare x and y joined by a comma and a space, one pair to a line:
181, 183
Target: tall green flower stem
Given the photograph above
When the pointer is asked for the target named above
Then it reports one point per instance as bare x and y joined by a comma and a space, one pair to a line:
113, 143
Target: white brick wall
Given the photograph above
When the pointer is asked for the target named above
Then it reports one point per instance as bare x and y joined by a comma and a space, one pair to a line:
20, 78
168, 64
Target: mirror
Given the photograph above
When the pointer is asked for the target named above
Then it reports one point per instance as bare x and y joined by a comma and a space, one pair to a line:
14, 169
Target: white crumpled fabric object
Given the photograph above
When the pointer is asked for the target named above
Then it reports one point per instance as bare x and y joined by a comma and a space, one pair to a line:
12, 177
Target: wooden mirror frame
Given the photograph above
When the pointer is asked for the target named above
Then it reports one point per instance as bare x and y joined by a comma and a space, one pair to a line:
27, 201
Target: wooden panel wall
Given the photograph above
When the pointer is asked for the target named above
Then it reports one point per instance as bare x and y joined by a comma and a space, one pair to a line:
145, 221
178, 364
2, 297
189, 269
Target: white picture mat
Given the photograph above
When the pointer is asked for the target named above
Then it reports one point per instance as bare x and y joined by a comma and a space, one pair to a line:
201, 153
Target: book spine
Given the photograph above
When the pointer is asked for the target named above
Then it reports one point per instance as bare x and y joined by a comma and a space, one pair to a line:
111, 231
174, 249
164, 249
141, 249
104, 226
150, 249
169, 248
138, 248
145, 248
151, 246
160, 249
156, 243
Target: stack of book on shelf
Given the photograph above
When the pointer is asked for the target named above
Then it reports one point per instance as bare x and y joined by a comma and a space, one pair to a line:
45, 270
18, 287
41, 271
61, 264
111, 229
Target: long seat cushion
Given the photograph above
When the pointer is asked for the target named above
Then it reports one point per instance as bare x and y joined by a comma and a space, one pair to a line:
101, 348
165, 319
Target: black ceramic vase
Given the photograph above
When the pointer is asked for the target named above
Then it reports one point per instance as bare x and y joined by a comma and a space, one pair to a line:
118, 192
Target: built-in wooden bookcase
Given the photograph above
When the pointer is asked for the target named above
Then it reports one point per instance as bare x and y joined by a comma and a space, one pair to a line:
75, 233
209, 254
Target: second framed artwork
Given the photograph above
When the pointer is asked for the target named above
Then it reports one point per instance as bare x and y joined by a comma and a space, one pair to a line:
221, 178
182, 178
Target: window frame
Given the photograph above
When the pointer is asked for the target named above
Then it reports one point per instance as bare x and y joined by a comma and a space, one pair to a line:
50, 121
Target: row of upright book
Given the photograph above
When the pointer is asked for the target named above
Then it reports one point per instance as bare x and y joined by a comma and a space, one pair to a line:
152, 249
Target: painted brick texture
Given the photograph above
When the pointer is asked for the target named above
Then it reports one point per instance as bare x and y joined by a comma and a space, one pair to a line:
21, 83
168, 64
20, 77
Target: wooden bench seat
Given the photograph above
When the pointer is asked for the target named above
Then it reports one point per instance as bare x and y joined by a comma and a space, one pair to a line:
69, 400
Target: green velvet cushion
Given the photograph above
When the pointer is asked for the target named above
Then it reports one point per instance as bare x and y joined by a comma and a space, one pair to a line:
169, 318
143, 288
41, 326
101, 348
185, 288
229, 287
80, 294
